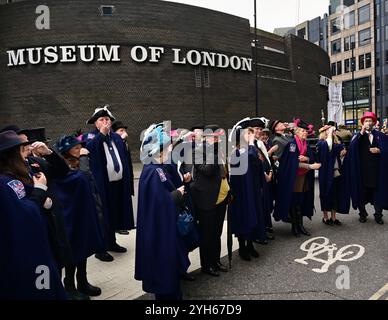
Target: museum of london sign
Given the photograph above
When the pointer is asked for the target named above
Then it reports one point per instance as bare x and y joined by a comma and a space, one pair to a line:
111, 53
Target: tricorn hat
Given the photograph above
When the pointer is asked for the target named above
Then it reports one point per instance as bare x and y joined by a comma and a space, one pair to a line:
101, 112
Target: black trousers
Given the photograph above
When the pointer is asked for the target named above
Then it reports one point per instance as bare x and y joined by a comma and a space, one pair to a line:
70, 273
115, 210
211, 223
369, 196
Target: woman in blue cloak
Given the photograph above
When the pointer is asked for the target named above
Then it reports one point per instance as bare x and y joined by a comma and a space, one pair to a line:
161, 257
27, 268
333, 189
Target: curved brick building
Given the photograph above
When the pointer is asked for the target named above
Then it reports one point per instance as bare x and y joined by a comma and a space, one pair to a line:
150, 60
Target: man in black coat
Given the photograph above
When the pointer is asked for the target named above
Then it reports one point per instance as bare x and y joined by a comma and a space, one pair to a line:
210, 192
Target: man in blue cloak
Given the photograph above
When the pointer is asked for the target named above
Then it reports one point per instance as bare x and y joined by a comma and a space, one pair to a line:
369, 169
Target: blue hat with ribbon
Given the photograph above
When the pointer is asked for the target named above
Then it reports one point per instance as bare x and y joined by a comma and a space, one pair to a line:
155, 141
65, 143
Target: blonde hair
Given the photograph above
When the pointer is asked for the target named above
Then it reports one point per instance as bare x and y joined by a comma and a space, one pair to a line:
323, 136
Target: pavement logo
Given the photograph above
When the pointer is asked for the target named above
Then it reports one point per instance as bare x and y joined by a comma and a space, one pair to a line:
382, 294
320, 246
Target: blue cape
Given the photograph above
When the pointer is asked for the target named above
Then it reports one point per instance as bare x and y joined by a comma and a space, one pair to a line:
289, 164
326, 177
355, 180
246, 209
160, 255
24, 246
125, 220
80, 215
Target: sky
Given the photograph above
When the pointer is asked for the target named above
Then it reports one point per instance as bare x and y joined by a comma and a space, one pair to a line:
271, 14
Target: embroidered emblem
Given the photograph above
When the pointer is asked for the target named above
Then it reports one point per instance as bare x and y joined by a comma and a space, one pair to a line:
91, 136
162, 175
18, 188
292, 147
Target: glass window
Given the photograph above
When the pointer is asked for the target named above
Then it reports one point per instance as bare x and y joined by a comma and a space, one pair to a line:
364, 37
386, 32
349, 43
334, 5
333, 69
364, 14
378, 85
368, 60
348, 3
347, 65
377, 59
336, 46
339, 67
386, 6
386, 83
378, 35
302, 33
386, 56
361, 62
349, 20
335, 25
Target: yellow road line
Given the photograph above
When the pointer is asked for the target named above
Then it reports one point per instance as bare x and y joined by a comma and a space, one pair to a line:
380, 293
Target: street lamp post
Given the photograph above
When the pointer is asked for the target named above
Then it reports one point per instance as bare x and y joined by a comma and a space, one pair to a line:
256, 73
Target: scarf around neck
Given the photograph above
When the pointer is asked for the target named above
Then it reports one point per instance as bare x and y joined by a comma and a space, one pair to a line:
302, 147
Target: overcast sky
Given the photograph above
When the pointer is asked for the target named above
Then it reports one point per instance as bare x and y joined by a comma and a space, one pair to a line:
270, 13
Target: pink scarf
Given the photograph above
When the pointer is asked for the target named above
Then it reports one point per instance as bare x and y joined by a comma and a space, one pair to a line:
302, 147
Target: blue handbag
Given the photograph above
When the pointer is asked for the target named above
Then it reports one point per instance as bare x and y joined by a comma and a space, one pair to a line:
185, 222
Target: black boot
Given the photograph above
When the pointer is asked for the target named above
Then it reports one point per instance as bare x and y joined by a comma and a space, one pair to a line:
82, 282
294, 222
242, 250
301, 228
363, 213
71, 291
378, 214
251, 249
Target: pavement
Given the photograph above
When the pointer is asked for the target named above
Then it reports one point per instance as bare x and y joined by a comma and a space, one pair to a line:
357, 266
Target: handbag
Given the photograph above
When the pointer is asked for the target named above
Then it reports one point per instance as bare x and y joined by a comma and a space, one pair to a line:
185, 222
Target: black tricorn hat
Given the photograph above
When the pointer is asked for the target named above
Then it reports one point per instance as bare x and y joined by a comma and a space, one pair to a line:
36, 134
9, 139
256, 123
118, 125
101, 112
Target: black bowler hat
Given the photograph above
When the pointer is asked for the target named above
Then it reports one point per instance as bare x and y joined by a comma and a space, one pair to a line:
118, 125
9, 139
101, 112
302, 124
256, 123
10, 128
36, 134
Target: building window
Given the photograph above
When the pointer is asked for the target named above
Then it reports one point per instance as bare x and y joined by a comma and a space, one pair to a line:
347, 66
335, 25
197, 77
378, 6
206, 78
349, 20
386, 32
336, 46
361, 62
386, 56
386, 7
348, 3
386, 84
334, 5
368, 60
377, 59
364, 37
107, 10
378, 35
339, 67
364, 14
302, 33
349, 43
378, 85
334, 69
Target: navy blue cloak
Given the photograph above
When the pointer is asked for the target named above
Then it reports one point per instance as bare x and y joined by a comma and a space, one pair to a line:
95, 140
246, 207
381, 141
289, 163
327, 159
160, 255
82, 225
24, 246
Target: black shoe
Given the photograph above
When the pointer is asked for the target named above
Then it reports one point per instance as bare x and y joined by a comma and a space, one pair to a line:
117, 248
379, 221
88, 289
263, 242
251, 250
244, 254
336, 222
210, 271
270, 236
328, 222
187, 277
76, 295
124, 232
269, 230
220, 267
362, 219
106, 257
